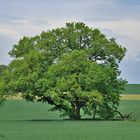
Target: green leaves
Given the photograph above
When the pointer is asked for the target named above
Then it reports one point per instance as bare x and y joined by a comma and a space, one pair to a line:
3, 72
72, 68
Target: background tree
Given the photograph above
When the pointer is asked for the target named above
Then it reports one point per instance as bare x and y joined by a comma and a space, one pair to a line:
71, 68
3, 69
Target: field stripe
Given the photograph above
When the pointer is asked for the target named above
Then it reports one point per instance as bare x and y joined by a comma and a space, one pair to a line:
130, 97
14, 97
123, 97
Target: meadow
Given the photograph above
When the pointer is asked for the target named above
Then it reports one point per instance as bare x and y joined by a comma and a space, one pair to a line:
21, 120
132, 89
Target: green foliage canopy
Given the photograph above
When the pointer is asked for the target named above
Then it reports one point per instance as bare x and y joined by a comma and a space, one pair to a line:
71, 68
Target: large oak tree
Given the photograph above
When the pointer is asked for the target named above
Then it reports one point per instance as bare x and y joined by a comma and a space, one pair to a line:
71, 68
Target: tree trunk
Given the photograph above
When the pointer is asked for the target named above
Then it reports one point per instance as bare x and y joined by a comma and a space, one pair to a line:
75, 112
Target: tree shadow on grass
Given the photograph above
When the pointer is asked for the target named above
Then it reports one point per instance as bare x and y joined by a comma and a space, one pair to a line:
64, 120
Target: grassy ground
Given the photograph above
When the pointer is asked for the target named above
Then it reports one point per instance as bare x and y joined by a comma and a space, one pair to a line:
20, 120
132, 89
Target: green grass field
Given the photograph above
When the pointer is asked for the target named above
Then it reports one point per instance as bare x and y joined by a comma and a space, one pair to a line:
20, 120
132, 89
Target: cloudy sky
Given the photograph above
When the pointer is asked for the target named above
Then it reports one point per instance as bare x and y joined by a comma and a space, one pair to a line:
115, 18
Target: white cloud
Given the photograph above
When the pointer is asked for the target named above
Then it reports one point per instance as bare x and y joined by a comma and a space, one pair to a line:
8, 32
16, 28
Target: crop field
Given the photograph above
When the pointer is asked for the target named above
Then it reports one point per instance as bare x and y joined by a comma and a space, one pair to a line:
132, 89
21, 120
